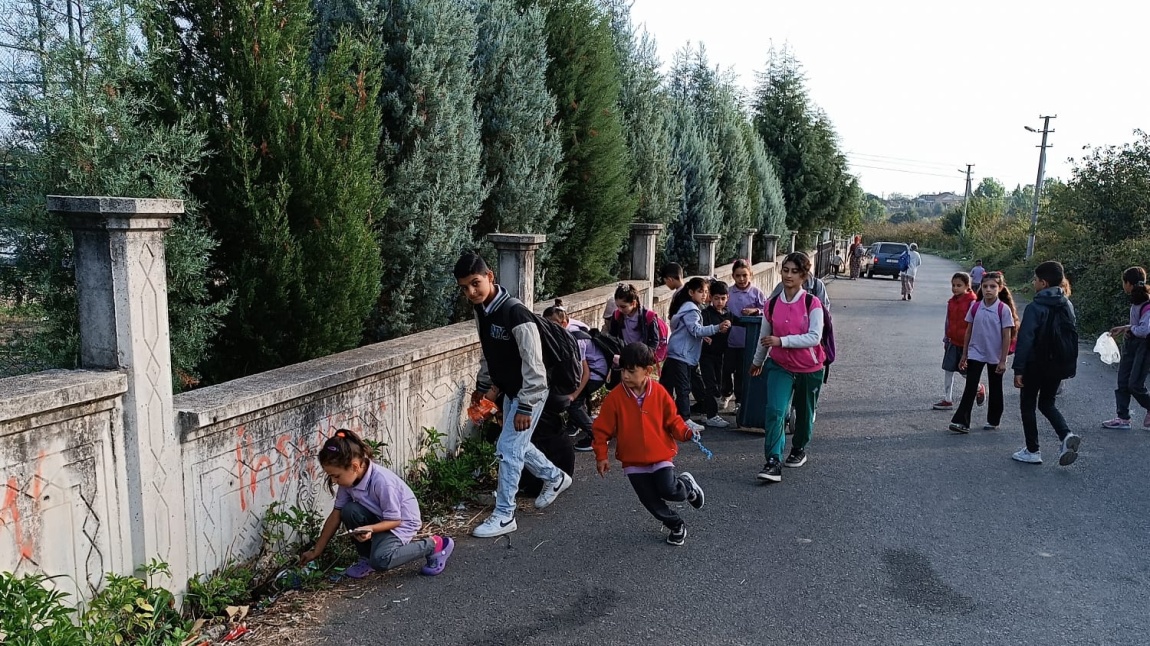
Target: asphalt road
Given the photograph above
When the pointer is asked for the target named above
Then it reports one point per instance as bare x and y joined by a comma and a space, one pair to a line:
895, 532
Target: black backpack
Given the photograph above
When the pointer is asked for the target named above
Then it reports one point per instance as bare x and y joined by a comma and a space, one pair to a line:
1057, 351
560, 354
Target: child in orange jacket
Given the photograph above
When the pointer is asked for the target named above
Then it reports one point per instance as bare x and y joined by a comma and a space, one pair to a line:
642, 417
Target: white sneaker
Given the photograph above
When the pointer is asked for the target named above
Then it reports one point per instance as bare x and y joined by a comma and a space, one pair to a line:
726, 401
552, 489
1022, 455
718, 422
1069, 452
495, 526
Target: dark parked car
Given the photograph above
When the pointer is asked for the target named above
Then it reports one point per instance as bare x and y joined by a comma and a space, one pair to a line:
882, 259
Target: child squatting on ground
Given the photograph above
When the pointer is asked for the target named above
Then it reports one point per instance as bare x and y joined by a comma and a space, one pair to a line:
1047, 353
1134, 366
645, 423
378, 510
510, 366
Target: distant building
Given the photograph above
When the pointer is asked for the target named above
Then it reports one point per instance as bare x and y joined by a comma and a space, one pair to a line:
938, 200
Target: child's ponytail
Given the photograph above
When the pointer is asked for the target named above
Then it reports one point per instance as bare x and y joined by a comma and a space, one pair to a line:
341, 450
557, 311
1136, 278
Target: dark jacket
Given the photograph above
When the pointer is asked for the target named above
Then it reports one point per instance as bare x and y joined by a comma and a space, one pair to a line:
512, 356
1034, 319
718, 344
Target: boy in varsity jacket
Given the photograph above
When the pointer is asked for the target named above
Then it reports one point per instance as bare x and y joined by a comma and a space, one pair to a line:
511, 366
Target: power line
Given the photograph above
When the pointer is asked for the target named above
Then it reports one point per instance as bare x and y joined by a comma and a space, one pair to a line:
885, 158
901, 170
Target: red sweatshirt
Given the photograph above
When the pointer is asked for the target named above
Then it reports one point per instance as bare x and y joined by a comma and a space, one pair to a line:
956, 309
643, 435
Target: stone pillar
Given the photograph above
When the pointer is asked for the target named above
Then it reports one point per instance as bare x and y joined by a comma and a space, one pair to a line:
746, 245
708, 247
824, 236
771, 247
122, 293
644, 237
515, 269
793, 244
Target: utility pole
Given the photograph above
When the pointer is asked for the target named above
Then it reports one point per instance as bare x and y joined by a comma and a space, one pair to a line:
965, 200
1038, 184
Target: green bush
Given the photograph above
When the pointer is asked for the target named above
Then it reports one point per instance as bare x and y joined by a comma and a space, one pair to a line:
441, 479
928, 234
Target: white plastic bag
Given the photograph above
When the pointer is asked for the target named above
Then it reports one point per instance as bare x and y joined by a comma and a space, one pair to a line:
1107, 349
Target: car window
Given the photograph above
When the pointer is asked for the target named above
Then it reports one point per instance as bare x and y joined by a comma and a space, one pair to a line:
892, 249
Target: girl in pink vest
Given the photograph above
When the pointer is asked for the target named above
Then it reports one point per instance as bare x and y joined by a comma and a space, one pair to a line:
791, 334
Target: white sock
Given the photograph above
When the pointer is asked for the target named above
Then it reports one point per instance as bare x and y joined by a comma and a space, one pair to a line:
947, 385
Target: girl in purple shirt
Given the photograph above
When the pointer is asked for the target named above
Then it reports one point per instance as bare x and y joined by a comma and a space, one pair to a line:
743, 299
377, 509
991, 325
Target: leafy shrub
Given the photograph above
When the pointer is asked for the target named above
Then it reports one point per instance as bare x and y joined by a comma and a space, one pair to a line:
209, 596
31, 613
928, 234
441, 479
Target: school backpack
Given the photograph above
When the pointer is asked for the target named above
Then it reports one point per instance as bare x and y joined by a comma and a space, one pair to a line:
607, 344
1056, 350
654, 324
904, 261
828, 340
560, 354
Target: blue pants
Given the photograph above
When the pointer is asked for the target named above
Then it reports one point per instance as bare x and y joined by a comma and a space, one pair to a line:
515, 452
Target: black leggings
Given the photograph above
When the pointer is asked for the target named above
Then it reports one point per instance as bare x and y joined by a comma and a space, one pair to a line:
994, 405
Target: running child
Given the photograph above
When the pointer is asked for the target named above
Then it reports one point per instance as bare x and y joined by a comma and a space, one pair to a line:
1047, 354
510, 367
686, 344
645, 424
991, 326
954, 337
1134, 366
744, 299
712, 357
378, 511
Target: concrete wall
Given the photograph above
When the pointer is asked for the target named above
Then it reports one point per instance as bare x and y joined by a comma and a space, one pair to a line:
62, 502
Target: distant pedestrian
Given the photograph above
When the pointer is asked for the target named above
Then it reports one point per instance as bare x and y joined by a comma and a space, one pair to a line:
744, 299
976, 274
789, 351
954, 337
1134, 366
686, 345
908, 269
837, 263
856, 253
378, 510
991, 324
643, 420
1047, 354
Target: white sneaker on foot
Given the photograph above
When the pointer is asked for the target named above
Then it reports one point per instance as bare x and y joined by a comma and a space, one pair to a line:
495, 526
1069, 452
718, 422
552, 489
1023, 455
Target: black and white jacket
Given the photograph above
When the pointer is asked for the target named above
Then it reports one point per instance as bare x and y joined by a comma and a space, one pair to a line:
512, 357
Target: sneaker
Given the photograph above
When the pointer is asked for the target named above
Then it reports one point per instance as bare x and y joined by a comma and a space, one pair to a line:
695, 426
696, 498
726, 401
1117, 423
677, 536
438, 560
959, 428
796, 459
943, 405
1022, 455
361, 569
772, 470
980, 398
552, 489
573, 431
583, 444
718, 422
990, 427
1069, 452
495, 526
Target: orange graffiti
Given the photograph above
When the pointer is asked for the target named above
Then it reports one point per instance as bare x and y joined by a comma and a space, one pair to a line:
10, 510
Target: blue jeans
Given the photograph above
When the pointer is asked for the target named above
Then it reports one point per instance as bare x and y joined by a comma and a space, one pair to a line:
515, 451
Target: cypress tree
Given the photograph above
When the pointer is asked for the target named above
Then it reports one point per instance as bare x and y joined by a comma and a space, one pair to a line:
765, 193
700, 210
584, 78
292, 188
78, 106
521, 149
433, 147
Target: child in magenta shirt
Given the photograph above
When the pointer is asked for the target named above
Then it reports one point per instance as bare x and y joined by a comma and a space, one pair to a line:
791, 334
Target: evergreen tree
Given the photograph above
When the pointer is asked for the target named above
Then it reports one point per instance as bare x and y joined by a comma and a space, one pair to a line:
584, 78
799, 138
521, 149
765, 193
78, 126
700, 209
647, 118
735, 180
292, 188
432, 141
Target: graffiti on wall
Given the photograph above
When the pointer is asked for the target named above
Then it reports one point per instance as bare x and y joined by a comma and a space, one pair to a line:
20, 510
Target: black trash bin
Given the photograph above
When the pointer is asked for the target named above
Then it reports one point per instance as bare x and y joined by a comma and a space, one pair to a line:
753, 398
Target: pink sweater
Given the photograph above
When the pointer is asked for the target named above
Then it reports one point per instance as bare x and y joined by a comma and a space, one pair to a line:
800, 330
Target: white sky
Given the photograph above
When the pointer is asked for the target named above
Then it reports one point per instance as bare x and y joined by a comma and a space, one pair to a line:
941, 84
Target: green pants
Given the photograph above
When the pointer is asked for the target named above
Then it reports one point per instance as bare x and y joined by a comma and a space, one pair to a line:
785, 388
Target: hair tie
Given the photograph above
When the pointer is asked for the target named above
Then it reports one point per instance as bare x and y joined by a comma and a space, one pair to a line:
331, 448
340, 434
